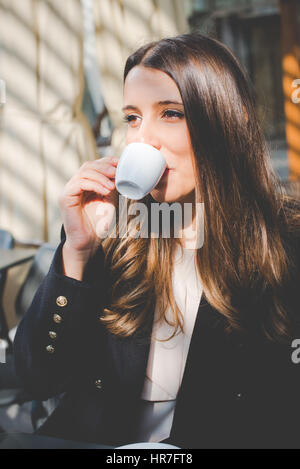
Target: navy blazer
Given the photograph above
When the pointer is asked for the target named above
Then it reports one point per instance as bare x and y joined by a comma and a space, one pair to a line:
237, 391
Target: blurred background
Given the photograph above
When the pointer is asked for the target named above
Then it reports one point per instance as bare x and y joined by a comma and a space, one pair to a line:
62, 63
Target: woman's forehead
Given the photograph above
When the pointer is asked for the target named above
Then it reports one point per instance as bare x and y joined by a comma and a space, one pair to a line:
149, 82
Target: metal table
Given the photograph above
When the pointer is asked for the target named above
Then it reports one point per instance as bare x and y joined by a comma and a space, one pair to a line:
12, 257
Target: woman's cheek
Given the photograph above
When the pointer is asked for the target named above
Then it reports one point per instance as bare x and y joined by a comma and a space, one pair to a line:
179, 141
129, 137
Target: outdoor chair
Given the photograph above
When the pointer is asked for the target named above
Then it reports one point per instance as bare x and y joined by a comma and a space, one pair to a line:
11, 391
6, 242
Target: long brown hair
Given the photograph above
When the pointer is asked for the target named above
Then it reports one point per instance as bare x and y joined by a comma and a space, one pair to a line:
243, 260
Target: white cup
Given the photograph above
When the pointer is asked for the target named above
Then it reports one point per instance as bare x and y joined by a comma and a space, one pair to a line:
139, 170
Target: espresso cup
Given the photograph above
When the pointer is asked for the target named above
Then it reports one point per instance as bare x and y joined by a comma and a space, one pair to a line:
139, 170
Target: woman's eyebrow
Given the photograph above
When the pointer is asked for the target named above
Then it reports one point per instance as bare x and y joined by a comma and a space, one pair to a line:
163, 103
157, 104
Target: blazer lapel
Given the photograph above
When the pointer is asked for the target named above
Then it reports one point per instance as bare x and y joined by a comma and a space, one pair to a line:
130, 356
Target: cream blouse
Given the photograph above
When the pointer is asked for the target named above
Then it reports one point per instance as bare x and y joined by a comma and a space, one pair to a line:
167, 360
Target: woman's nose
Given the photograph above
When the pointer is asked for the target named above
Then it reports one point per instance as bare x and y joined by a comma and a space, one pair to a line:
147, 135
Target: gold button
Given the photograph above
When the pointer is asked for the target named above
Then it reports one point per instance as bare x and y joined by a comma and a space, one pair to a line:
57, 318
98, 383
50, 349
61, 301
52, 335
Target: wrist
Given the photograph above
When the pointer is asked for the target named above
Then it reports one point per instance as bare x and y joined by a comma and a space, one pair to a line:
79, 255
74, 261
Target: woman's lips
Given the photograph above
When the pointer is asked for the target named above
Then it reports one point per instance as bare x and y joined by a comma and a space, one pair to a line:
166, 173
164, 177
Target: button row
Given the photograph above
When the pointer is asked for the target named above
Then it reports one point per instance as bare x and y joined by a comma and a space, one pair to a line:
61, 301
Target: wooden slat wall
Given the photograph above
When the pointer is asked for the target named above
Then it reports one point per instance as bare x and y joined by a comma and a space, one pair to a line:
290, 42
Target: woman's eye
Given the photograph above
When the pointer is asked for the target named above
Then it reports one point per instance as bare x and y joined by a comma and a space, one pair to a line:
171, 114
129, 118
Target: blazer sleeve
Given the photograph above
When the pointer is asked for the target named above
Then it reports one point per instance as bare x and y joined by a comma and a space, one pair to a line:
53, 337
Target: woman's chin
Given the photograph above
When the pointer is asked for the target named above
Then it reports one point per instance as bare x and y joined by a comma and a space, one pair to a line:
161, 197
169, 197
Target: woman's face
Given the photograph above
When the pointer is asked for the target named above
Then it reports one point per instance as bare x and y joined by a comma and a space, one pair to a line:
154, 111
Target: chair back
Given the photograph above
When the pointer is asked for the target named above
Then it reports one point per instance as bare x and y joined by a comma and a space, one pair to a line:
38, 270
6, 240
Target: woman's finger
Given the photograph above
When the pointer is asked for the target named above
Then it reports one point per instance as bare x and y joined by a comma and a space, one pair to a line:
101, 166
97, 176
87, 185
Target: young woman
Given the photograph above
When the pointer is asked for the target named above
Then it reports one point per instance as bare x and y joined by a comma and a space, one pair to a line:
153, 339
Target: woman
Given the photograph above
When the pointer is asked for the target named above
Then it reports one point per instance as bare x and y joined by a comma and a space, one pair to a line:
225, 377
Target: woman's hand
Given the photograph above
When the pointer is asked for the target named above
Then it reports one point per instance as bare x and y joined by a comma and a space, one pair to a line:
87, 204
